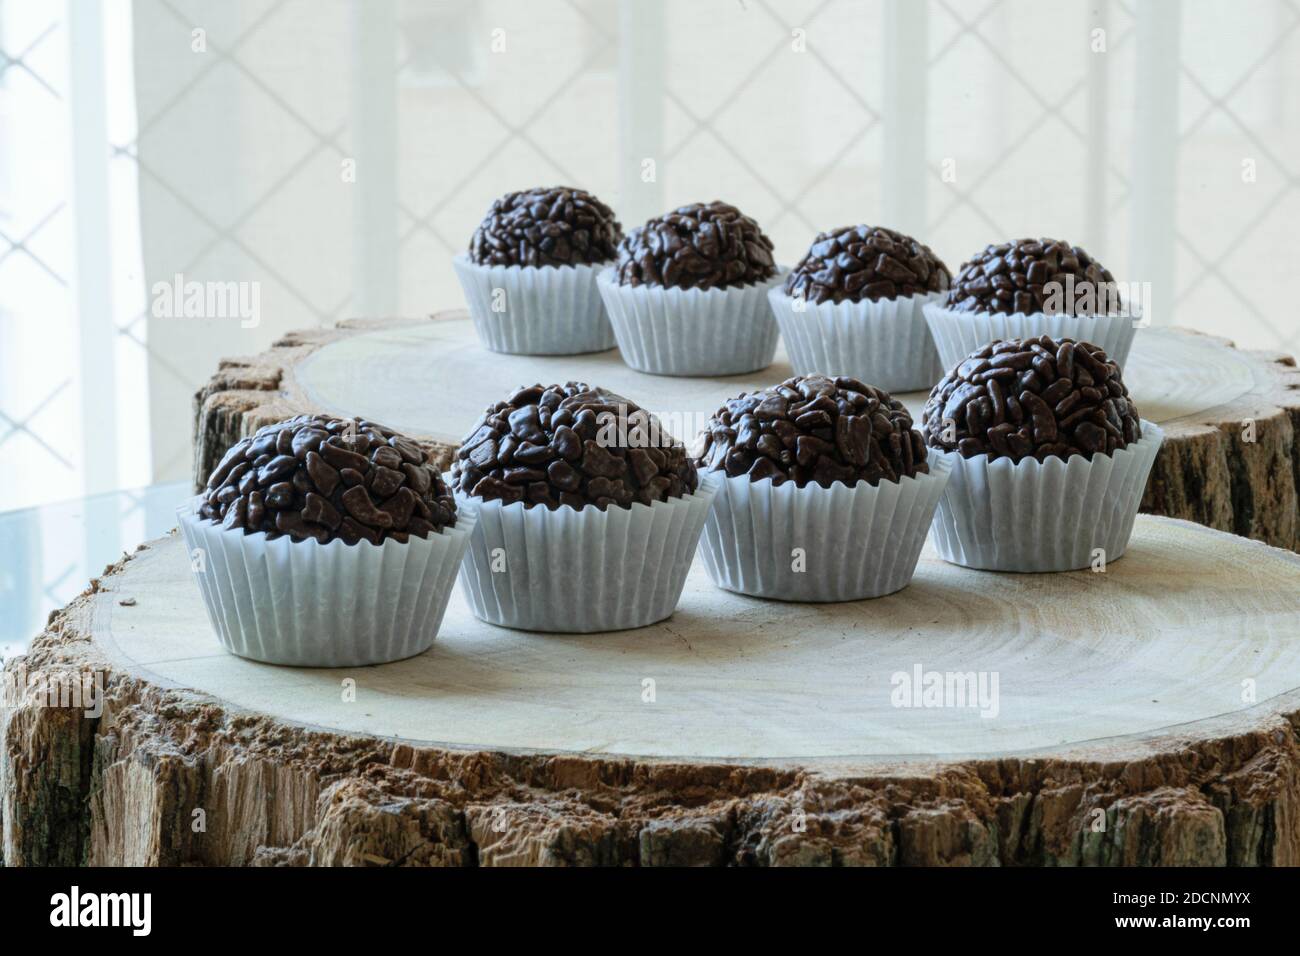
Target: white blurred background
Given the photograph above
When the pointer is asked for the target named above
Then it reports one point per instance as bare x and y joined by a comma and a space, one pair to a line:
139, 140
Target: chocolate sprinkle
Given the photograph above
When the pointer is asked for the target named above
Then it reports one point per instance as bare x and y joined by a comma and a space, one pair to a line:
1035, 398
1021, 276
325, 478
814, 429
558, 226
700, 246
571, 445
866, 262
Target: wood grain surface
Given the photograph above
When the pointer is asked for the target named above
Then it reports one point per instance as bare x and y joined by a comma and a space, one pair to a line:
1145, 715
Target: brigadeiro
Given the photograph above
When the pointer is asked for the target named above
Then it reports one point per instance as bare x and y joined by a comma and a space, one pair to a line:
686, 296
326, 478
543, 446
1031, 287
589, 511
529, 274
1049, 457
853, 306
325, 542
826, 491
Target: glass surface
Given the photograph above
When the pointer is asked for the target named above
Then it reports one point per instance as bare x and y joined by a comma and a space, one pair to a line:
49, 554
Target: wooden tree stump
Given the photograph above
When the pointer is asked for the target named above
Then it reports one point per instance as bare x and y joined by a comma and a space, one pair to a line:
1144, 715
1230, 459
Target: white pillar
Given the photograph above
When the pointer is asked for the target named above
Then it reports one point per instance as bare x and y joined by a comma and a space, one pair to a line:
93, 287
373, 123
640, 110
1095, 214
906, 166
1153, 217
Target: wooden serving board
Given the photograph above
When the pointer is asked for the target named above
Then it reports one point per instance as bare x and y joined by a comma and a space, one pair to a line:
1230, 460
1144, 715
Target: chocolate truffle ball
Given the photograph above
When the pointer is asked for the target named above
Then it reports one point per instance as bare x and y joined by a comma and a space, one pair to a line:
853, 263
1020, 277
326, 478
571, 445
814, 429
700, 246
1032, 398
558, 226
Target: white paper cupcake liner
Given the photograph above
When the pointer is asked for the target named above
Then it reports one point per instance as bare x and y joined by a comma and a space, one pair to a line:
886, 343
820, 544
582, 571
308, 604
692, 331
957, 334
1042, 516
545, 311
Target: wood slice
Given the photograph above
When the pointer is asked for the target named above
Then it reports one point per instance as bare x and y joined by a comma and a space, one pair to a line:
1230, 459
1144, 715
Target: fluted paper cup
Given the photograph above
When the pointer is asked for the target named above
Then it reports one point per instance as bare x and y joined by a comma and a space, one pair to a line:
527, 310
582, 571
812, 543
1043, 516
958, 334
885, 343
309, 604
692, 331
